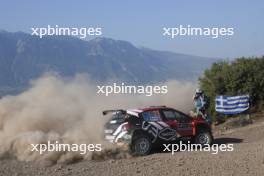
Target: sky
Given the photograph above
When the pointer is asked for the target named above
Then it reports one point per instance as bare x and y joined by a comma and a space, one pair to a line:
141, 22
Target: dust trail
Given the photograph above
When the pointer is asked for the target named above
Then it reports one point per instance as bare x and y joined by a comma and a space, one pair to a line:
68, 111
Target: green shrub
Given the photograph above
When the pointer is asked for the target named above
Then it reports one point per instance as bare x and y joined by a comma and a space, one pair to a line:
241, 76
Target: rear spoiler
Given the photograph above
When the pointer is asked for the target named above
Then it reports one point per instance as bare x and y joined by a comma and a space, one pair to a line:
115, 110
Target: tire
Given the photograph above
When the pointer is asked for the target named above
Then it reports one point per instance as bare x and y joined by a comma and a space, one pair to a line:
141, 145
204, 138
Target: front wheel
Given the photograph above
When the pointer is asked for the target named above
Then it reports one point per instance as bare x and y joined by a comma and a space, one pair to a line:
141, 145
204, 138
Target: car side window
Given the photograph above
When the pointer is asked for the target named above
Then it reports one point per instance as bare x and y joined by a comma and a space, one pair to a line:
151, 116
173, 115
182, 116
169, 115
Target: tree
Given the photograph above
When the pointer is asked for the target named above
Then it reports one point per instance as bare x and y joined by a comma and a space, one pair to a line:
241, 76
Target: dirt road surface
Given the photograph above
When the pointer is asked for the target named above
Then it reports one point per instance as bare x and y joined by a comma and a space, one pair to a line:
246, 159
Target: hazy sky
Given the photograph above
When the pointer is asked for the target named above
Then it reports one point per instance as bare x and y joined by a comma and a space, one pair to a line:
141, 22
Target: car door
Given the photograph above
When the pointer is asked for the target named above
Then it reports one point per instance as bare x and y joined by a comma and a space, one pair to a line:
169, 118
178, 121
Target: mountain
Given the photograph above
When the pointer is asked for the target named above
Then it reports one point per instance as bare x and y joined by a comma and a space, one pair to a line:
24, 57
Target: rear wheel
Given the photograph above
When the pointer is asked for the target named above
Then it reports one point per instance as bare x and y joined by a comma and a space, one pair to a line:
141, 145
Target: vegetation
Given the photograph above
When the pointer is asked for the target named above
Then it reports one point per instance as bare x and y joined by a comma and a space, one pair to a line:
241, 76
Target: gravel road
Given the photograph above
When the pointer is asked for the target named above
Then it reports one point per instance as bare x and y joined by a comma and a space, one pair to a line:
246, 159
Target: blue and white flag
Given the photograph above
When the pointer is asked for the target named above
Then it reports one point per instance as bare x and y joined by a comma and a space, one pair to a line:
231, 104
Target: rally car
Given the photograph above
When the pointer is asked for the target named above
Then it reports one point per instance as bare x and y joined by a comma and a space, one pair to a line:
144, 128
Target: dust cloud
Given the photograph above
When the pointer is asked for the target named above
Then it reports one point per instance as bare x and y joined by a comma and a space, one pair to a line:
69, 110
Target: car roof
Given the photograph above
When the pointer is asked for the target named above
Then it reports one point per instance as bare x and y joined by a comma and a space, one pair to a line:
153, 108
136, 111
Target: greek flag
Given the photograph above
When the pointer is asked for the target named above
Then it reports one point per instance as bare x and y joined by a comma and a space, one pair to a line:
231, 104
